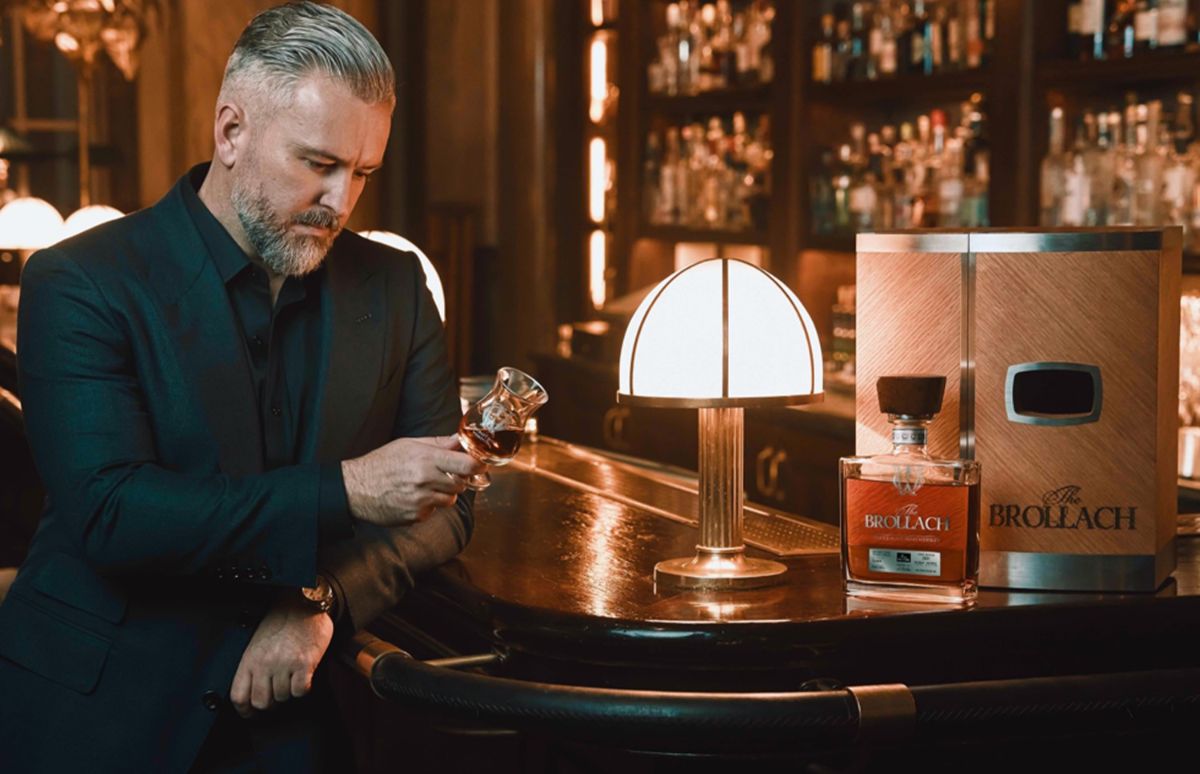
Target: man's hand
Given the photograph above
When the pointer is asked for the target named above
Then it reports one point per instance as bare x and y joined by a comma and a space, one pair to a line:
405, 480
279, 662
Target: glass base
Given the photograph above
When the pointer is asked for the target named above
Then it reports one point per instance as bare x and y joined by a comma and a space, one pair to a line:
958, 594
479, 481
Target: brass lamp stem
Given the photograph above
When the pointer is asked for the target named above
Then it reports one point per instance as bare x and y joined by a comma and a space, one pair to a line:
721, 436
720, 562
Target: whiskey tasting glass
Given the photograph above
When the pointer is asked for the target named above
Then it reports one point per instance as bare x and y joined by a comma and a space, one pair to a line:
492, 428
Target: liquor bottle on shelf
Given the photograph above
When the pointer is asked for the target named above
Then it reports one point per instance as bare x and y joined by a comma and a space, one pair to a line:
822, 64
921, 55
1172, 23
1098, 163
1145, 26
711, 46
1122, 206
1139, 168
820, 194
860, 44
1121, 32
1151, 160
935, 176
713, 174
1180, 176
1091, 26
841, 365
885, 38
910, 523
1054, 173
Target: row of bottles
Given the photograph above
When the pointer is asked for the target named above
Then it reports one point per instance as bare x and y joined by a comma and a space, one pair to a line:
1119, 29
713, 174
709, 46
870, 40
1136, 166
926, 174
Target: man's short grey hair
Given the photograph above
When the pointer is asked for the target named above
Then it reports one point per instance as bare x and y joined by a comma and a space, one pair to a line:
282, 45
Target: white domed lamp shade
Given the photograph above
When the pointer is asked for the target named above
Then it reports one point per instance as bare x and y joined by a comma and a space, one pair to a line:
29, 223
720, 335
721, 332
432, 280
89, 217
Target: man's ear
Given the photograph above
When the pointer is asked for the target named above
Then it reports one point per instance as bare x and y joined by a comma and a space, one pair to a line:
229, 132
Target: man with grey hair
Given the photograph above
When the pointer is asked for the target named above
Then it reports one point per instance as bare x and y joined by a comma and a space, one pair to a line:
244, 419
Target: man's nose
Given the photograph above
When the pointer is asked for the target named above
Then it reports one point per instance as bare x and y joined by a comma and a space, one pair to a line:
338, 193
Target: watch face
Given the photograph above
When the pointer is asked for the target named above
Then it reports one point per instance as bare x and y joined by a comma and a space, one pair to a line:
320, 595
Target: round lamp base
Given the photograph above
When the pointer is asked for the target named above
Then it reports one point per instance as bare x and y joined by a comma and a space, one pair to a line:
717, 572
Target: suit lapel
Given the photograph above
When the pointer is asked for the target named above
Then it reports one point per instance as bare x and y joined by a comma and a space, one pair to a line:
202, 324
354, 351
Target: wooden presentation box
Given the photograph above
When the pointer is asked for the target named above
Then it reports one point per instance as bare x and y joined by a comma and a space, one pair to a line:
1060, 350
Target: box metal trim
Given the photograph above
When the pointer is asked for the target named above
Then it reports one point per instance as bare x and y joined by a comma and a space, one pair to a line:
1076, 572
1067, 242
919, 242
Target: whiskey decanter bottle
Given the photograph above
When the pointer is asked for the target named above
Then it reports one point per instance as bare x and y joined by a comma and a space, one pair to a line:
910, 523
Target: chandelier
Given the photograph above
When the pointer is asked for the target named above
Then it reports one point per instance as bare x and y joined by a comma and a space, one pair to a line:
81, 29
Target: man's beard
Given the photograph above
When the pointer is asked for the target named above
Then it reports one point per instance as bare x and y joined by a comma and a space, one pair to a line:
284, 252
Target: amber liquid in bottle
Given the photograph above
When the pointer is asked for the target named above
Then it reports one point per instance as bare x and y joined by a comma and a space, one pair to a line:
910, 523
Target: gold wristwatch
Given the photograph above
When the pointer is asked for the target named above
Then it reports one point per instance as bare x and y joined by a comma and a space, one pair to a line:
320, 596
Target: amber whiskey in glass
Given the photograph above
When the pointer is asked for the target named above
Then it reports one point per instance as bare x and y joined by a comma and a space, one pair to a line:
910, 523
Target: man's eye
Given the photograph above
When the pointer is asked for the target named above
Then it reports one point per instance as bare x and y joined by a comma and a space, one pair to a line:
317, 165
364, 176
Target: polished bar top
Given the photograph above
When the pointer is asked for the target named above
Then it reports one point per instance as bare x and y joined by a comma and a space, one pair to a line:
562, 558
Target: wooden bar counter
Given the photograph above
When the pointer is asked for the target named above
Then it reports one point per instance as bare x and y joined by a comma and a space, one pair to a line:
557, 584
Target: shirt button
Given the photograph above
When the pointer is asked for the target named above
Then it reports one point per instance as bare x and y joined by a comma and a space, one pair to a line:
257, 342
211, 700
276, 411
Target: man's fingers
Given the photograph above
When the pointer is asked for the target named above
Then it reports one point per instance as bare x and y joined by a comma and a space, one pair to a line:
301, 683
239, 693
260, 692
461, 463
281, 687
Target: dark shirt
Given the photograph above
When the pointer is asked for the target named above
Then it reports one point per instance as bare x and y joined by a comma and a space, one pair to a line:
284, 347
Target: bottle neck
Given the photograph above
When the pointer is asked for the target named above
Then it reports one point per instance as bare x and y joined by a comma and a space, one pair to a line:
910, 435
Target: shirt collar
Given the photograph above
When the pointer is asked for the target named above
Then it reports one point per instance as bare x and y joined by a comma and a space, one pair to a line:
225, 252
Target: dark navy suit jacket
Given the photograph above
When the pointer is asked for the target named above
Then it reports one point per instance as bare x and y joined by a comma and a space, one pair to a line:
163, 540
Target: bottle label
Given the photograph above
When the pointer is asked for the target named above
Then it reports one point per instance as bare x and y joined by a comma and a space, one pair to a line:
905, 562
1172, 25
886, 519
1091, 17
1145, 25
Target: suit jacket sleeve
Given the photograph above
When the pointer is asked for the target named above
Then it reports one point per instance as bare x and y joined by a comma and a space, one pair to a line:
373, 570
92, 438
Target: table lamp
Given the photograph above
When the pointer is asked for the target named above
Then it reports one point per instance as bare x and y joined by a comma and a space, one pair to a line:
720, 335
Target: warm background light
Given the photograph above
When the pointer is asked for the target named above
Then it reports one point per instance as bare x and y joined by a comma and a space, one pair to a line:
597, 179
599, 78
29, 223
432, 280
88, 217
597, 264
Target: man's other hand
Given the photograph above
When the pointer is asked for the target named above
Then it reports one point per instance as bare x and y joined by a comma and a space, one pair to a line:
279, 662
406, 480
